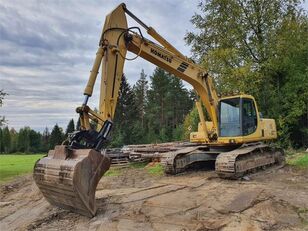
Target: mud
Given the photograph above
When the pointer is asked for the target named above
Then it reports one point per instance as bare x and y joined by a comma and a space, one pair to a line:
276, 199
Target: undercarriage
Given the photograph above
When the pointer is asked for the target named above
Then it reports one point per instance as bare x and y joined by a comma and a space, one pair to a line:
231, 162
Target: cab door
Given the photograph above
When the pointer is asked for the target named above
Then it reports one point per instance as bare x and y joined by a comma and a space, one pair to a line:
249, 117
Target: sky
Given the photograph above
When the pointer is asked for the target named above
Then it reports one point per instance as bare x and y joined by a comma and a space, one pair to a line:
47, 49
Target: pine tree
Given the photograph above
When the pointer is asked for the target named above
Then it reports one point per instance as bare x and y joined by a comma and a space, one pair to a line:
70, 127
56, 137
140, 90
125, 116
157, 102
14, 140
45, 140
168, 103
35, 141
6, 140
180, 101
23, 141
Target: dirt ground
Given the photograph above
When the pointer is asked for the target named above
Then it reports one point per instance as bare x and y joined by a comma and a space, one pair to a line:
275, 199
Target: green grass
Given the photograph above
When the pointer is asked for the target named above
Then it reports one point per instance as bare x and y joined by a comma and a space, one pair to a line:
138, 164
156, 169
298, 160
14, 165
113, 172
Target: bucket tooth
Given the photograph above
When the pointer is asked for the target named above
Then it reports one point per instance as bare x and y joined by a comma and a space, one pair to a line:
68, 178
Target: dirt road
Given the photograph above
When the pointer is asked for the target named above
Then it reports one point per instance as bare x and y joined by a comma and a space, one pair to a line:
271, 200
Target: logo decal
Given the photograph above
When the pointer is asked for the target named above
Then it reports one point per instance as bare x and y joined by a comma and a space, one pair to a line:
160, 55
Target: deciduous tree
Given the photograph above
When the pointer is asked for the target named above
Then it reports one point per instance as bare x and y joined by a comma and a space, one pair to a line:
258, 47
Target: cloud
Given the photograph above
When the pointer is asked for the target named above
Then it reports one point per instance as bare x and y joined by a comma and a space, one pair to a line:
47, 49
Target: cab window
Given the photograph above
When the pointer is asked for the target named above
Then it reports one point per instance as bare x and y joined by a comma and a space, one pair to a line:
230, 117
249, 117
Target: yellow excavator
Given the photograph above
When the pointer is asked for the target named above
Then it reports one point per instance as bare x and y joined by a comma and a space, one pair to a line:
233, 137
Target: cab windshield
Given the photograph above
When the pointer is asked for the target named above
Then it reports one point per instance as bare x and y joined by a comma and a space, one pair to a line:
238, 117
230, 117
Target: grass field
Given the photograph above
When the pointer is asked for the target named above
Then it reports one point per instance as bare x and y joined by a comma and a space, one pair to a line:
14, 165
299, 159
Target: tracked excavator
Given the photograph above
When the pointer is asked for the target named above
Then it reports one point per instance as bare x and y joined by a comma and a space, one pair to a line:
234, 136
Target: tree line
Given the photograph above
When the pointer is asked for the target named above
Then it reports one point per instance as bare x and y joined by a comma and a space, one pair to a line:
146, 112
27, 140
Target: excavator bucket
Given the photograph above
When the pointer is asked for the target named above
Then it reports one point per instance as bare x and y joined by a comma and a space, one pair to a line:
68, 178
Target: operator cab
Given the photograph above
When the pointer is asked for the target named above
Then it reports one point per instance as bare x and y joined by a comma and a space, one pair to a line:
238, 116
